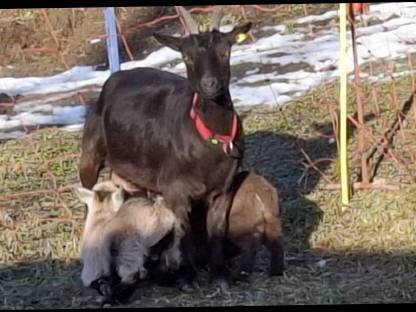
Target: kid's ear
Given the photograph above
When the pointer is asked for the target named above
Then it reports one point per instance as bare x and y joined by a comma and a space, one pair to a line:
85, 195
118, 198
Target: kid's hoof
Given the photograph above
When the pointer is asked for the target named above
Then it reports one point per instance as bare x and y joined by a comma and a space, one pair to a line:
242, 276
122, 292
186, 287
107, 303
222, 284
276, 271
103, 287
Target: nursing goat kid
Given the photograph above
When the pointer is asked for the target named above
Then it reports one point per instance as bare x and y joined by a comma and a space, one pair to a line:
253, 220
121, 237
174, 136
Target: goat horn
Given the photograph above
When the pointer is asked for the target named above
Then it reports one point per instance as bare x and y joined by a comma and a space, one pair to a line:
216, 18
189, 21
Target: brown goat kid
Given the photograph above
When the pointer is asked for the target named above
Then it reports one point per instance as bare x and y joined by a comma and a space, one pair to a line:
121, 236
254, 220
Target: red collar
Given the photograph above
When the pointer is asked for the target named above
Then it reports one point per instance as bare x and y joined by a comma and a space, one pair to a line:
207, 134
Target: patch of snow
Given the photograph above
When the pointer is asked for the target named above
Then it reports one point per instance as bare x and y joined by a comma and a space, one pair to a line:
226, 28
75, 127
253, 71
12, 135
66, 115
391, 37
94, 41
277, 28
317, 18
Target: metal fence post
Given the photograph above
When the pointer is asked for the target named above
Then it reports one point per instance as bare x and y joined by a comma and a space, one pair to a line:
112, 42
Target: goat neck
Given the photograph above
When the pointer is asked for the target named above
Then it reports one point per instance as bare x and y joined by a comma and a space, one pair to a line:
217, 113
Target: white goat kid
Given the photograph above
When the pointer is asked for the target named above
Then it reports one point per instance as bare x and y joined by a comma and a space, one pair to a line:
119, 237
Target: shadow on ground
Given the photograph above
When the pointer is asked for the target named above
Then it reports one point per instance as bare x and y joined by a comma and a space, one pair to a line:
281, 158
341, 278
311, 276
53, 283
278, 157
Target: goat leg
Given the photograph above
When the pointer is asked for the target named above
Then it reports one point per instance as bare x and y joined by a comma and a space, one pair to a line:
276, 256
275, 245
187, 272
93, 151
180, 206
103, 286
122, 292
216, 223
249, 245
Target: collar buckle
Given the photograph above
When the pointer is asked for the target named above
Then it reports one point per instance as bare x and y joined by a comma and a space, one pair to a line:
207, 134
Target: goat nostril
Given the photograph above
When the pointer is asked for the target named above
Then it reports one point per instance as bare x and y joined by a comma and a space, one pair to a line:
209, 83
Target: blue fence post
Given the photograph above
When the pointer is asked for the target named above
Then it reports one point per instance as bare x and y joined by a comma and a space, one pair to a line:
112, 42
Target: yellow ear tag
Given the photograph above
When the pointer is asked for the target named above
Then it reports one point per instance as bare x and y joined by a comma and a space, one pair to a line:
240, 37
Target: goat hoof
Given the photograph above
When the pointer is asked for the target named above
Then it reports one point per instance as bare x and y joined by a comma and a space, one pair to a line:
196, 285
242, 276
106, 290
107, 302
276, 272
122, 292
222, 284
103, 287
187, 286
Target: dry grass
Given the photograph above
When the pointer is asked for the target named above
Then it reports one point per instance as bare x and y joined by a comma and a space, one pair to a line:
363, 254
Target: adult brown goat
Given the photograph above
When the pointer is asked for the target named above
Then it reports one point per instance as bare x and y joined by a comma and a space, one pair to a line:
180, 137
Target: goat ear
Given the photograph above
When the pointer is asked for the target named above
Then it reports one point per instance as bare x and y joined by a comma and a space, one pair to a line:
118, 198
174, 43
238, 34
85, 195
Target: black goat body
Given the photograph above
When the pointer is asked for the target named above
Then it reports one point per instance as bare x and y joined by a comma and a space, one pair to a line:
141, 128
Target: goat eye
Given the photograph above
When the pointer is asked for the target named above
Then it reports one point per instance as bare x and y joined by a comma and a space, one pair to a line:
226, 54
